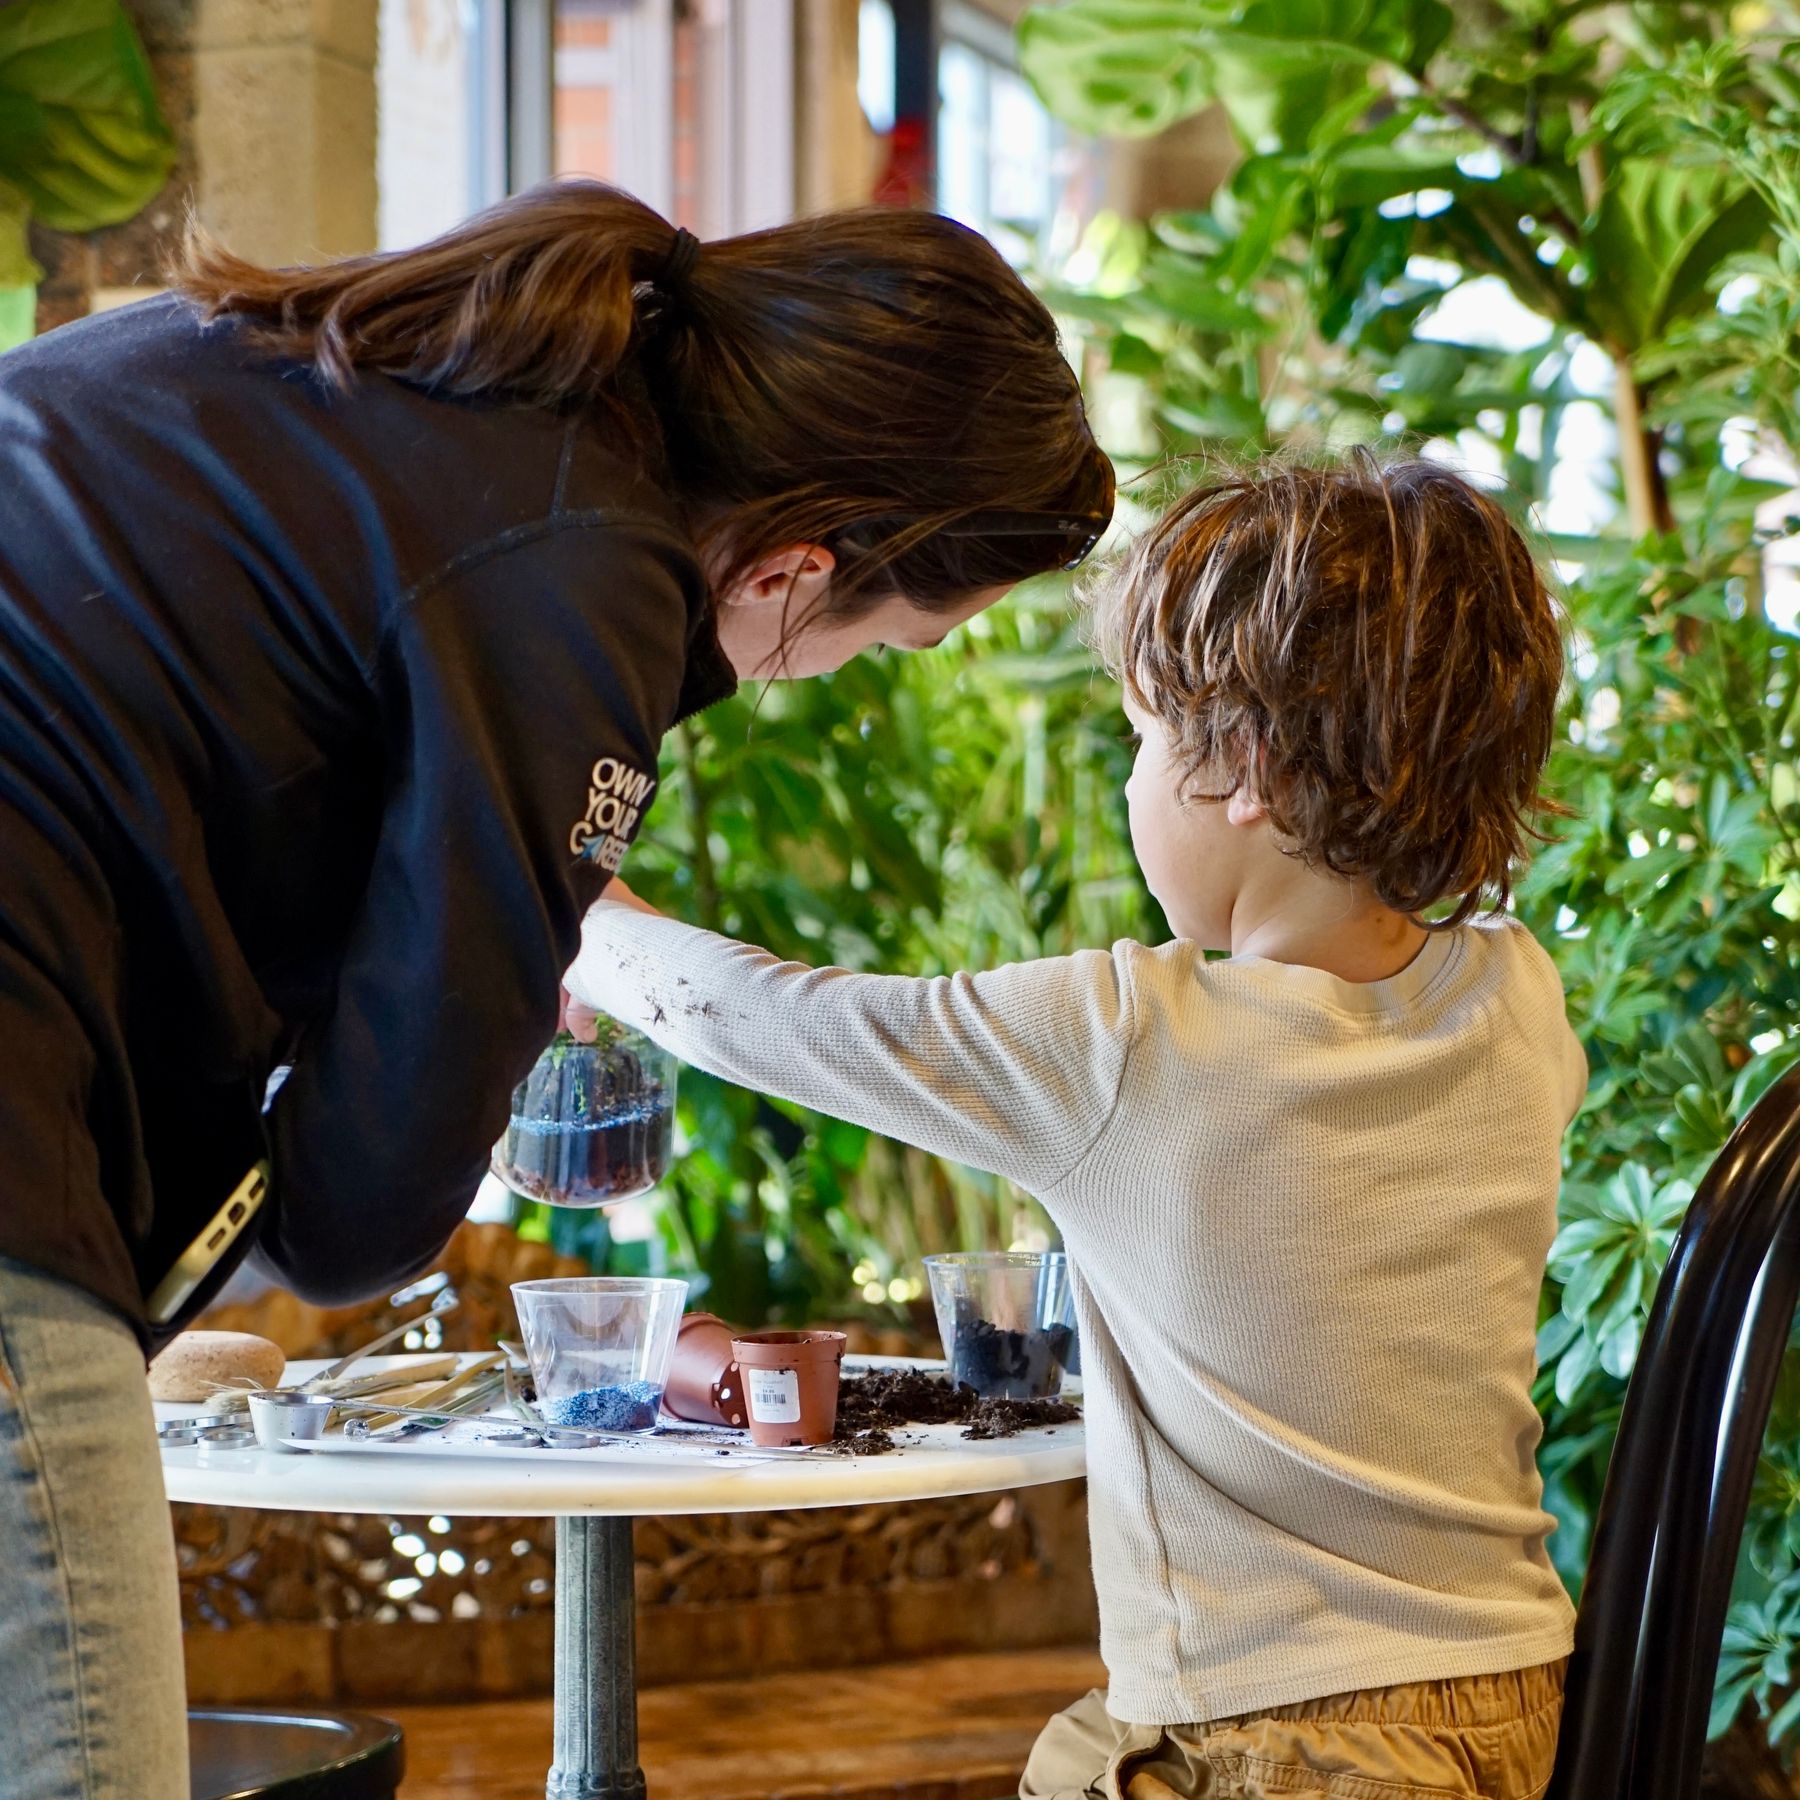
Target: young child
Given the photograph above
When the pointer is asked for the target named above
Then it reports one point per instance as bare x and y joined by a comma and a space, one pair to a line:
1307, 1191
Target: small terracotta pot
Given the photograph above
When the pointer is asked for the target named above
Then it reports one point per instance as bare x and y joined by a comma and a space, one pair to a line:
791, 1379
705, 1384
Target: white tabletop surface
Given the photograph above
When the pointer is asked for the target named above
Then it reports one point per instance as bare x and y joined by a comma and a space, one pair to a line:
934, 1461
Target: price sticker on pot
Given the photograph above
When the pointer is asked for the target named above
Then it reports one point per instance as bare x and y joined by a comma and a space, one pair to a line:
774, 1395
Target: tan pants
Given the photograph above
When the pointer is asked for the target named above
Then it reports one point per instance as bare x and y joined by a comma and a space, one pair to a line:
1486, 1736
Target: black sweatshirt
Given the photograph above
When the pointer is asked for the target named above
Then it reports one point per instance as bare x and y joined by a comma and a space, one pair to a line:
323, 717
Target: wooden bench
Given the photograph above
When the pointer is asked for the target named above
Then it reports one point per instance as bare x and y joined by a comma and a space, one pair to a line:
942, 1728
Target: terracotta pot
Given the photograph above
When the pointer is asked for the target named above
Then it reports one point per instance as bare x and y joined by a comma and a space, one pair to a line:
705, 1385
791, 1379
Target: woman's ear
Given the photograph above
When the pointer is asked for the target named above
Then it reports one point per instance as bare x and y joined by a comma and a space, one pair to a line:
797, 574
756, 613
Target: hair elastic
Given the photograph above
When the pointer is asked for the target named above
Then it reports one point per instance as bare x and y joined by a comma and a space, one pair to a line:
678, 265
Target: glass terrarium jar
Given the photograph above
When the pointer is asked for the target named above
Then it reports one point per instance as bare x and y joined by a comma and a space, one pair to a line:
592, 1124
1007, 1318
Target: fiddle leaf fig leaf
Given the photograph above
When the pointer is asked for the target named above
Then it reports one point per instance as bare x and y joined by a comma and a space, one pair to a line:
1662, 230
1133, 67
81, 136
1123, 68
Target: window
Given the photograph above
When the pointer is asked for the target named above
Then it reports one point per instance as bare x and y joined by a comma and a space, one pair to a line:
1001, 158
441, 131
613, 94
689, 109
875, 33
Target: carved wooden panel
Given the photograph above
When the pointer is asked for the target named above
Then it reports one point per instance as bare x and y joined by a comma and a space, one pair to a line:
242, 1567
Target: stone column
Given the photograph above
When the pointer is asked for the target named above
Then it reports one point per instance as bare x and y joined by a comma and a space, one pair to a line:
1178, 169
284, 125
272, 103
836, 155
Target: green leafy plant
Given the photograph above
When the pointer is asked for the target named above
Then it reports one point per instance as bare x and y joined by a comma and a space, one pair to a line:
82, 143
1608, 1257
1620, 180
1756, 1662
1396, 147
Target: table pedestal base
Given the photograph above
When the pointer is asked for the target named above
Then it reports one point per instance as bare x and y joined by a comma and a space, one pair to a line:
596, 1673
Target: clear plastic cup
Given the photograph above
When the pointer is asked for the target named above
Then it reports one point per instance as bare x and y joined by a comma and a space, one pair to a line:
1007, 1318
600, 1347
592, 1124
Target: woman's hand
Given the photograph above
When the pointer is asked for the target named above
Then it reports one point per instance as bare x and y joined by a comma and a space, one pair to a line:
577, 1018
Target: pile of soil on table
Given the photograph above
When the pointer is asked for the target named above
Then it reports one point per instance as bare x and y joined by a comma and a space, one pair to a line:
871, 1405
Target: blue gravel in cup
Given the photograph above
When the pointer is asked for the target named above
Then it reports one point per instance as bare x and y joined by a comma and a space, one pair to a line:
630, 1407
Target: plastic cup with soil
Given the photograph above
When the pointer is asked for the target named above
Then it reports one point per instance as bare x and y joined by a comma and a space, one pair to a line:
1007, 1318
706, 1386
592, 1124
791, 1378
600, 1347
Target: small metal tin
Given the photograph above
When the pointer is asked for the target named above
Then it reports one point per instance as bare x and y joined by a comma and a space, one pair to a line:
225, 1438
550, 1437
280, 1415
177, 1433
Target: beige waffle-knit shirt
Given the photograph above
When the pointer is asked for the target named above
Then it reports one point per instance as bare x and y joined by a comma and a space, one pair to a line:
1308, 1220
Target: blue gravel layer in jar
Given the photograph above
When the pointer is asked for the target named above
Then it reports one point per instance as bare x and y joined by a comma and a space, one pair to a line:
630, 1407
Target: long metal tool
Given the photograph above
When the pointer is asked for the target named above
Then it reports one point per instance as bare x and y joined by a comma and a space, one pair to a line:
447, 1301
477, 1381
550, 1437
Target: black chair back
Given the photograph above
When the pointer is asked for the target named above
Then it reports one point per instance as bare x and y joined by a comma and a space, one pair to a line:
1678, 1485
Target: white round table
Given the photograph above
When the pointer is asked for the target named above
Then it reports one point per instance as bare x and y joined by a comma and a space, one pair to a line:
594, 1495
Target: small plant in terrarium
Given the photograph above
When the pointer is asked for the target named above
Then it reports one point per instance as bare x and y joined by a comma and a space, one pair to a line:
593, 1122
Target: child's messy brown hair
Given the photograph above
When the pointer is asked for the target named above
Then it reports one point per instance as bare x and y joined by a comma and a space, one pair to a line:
1370, 649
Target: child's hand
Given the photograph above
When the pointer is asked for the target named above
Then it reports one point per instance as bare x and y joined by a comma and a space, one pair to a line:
577, 1017
579, 1021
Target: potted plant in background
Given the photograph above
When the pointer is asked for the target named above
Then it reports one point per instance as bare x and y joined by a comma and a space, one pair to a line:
82, 142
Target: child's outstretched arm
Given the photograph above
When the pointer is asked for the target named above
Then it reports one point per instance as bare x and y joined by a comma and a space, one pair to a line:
1014, 1071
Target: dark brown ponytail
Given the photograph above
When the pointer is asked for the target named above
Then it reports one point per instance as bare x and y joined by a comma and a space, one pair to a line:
874, 381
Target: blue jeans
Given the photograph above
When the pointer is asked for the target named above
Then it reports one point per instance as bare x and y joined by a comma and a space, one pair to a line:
92, 1700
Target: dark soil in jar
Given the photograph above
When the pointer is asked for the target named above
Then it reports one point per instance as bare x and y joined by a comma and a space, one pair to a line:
593, 1160
873, 1404
589, 1124
1009, 1365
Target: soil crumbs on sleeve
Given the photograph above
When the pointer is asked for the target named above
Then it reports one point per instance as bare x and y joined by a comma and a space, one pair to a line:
871, 1405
